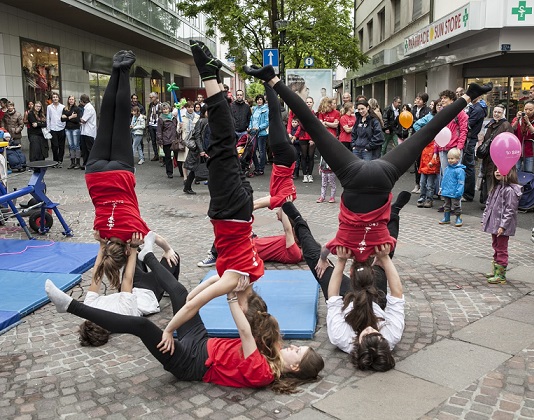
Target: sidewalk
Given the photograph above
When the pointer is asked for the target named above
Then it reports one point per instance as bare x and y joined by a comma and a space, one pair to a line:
467, 350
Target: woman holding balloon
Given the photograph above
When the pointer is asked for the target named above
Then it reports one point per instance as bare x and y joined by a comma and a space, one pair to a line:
366, 199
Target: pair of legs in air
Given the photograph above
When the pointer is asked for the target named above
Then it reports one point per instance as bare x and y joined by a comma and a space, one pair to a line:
366, 184
190, 351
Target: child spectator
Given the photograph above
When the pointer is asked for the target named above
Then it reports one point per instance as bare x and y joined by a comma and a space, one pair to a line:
294, 134
346, 122
428, 167
328, 177
500, 219
452, 187
166, 134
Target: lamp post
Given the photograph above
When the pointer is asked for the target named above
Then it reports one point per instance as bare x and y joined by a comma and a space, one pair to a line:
281, 26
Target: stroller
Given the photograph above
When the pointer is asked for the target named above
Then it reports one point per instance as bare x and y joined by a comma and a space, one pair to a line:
246, 147
526, 180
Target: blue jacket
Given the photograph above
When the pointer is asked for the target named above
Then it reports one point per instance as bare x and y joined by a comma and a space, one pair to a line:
476, 114
421, 122
452, 184
260, 119
367, 134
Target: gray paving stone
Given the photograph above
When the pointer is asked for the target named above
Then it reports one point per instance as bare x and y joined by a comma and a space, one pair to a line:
494, 332
452, 363
390, 395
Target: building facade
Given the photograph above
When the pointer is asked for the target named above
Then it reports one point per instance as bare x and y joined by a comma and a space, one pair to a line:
66, 47
428, 46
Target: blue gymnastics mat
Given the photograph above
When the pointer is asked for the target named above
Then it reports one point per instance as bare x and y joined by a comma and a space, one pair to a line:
23, 293
46, 256
291, 296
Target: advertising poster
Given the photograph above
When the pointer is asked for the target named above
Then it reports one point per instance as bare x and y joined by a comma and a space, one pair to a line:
316, 83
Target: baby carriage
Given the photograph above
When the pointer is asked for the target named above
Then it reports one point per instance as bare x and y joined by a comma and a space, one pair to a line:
246, 147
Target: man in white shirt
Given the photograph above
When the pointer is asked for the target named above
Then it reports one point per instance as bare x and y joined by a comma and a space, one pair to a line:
57, 129
87, 128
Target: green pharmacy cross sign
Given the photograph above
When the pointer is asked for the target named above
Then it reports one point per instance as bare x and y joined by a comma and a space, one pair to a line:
521, 10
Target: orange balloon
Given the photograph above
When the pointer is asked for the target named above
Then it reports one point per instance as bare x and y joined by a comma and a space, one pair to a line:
406, 119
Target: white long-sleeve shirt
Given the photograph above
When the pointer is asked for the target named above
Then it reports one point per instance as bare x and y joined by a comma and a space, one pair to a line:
138, 303
53, 117
341, 334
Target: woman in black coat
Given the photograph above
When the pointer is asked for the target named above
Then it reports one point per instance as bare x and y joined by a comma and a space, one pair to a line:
196, 153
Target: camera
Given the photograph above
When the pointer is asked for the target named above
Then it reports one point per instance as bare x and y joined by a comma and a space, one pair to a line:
523, 114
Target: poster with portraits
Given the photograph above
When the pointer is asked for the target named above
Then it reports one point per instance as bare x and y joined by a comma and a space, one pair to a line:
316, 83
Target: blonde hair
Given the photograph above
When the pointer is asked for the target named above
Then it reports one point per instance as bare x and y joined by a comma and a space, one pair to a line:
346, 108
454, 153
323, 105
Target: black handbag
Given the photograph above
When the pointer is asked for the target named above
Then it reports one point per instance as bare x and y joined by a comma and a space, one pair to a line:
484, 149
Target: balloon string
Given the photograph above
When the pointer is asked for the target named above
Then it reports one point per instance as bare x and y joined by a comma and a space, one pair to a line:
26, 248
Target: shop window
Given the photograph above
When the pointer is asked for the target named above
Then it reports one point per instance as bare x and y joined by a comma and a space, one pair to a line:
501, 94
417, 9
97, 86
396, 15
370, 33
360, 38
382, 24
40, 68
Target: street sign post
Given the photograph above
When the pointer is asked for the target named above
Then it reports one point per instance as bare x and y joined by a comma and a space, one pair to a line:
272, 56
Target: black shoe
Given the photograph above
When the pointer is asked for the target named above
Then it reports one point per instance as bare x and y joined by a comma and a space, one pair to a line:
154, 159
189, 191
123, 59
207, 65
264, 73
291, 211
474, 90
169, 176
402, 200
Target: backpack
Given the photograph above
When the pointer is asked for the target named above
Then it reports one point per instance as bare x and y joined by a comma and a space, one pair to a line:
16, 158
526, 202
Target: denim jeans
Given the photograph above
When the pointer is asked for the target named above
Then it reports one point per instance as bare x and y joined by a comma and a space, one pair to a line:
73, 137
527, 163
261, 145
427, 185
137, 139
363, 154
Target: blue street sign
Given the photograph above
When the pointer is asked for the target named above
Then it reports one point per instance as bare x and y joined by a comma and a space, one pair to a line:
309, 61
271, 56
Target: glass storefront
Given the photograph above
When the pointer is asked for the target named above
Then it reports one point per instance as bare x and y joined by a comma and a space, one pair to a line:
97, 86
40, 68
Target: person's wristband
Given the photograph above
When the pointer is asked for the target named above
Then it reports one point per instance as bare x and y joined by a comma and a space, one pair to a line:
231, 300
134, 246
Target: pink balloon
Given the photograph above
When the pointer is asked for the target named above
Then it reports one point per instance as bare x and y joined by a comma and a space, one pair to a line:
443, 137
505, 151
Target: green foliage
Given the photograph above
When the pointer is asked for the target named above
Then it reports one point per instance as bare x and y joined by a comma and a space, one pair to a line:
254, 89
318, 28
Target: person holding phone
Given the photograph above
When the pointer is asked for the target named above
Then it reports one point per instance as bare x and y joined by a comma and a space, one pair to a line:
523, 128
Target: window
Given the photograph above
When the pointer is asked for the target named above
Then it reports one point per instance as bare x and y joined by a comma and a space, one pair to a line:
382, 24
396, 15
40, 68
370, 33
417, 9
360, 38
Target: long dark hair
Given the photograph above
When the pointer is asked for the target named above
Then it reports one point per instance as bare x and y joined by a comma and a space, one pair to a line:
40, 115
366, 104
373, 353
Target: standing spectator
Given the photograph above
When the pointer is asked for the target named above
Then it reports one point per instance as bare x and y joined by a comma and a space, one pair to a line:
452, 187
429, 169
459, 91
192, 161
391, 124
458, 127
346, 98
367, 135
137, 126
87, 129
71, 117
200, 99
29, 108
189, 120
476, 113
523, 129
56, 125
38, 144
13, 123
419, 110
135, 102
259, 123
346, 122
166, 134
154, 111
3, 107
329, 115
402, 132
241, 113
307, 145
373, 105
294, 138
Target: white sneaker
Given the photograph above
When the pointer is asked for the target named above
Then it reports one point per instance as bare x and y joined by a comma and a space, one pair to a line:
415, 190
141, 161
310, 178
305, 178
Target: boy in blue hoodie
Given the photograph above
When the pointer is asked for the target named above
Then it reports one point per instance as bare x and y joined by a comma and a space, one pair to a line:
452, 188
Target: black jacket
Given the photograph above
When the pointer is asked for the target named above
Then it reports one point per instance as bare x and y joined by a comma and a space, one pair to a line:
241, 113
390, 121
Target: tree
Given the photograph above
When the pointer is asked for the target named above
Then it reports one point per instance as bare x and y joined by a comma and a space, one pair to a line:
255, 89
318, 28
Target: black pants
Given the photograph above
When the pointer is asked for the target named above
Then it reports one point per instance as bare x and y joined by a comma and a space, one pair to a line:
284, 153
38, 147
468, 159
311, 250
169, 169
366, 185
190, 347
230, 191
57, 143
144, 279
113, 145
152, 129
188, 183
86, 145
307, 153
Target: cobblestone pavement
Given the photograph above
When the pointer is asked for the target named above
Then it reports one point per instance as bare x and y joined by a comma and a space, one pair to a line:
44, 373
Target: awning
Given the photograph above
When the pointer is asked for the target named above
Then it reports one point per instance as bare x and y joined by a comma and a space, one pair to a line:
156, 75
141, 72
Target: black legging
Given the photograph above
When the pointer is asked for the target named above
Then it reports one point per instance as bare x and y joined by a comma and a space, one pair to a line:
284, 153
112, 149
190, 347
230, 192
145, 279
307, 152
366, 185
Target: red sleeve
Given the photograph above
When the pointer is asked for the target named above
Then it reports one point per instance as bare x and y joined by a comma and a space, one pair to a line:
289, 121
320, 115
256, 370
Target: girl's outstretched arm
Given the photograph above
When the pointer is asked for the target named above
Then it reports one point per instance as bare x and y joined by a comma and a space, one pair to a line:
383, 259
343, 254
243, 327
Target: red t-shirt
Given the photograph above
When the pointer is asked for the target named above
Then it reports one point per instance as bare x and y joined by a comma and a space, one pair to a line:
349, 120
273, 248
282, 185
361, 232
330, 117
116, 207
235, 248
228, 367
